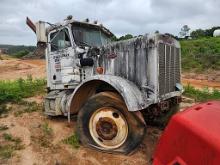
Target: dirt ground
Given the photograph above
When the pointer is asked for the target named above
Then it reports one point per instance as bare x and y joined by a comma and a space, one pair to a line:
209, 79
13, 69
28, 128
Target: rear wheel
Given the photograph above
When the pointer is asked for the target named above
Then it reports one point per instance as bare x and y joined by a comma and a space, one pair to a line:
104, 123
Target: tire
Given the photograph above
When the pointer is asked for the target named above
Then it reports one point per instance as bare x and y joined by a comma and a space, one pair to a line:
105, 124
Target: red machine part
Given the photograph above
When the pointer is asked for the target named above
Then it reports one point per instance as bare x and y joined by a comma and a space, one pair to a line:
192, 137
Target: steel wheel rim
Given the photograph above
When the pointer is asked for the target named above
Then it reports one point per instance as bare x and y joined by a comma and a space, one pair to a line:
108, 127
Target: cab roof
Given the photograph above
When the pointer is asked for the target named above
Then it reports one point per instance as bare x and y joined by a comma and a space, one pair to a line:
83, 24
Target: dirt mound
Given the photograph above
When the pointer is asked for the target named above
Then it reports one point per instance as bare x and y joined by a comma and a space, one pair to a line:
38, 53
14, 68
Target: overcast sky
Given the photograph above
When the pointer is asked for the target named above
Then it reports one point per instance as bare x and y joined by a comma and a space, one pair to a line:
120, 16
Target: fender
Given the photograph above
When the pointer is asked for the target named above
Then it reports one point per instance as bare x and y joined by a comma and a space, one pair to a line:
132, 96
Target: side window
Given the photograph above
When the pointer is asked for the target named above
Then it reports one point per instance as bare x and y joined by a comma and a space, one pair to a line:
60, 40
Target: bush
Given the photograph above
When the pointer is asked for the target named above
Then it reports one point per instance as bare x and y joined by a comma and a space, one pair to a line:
21, 53
18, 89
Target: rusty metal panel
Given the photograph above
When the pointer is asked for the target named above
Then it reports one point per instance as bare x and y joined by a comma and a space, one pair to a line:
150, 61
127, 59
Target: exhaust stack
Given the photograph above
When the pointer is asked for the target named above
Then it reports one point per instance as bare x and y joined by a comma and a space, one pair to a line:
40, 30
31, 24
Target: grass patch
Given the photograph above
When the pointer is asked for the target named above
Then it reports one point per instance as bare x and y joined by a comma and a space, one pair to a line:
73, 140
6, 151
22, 88
201, 54
9, 137
29, 107
46, 129
3, 127
9, 146
201, 95
4, 110
43, 136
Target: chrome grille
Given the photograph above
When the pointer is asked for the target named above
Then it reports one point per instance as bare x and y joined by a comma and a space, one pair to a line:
169, 68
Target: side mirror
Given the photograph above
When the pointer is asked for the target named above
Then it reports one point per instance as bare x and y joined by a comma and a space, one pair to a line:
41, 32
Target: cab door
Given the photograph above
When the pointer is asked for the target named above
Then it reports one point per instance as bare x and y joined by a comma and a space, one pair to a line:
62, 61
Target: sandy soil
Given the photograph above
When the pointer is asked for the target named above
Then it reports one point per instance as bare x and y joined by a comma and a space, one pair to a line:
200, 84
13, 69
209, 79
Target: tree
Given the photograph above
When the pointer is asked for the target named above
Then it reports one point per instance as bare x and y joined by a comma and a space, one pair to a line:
176, 37
184, 31
209, 32
125, 37
114, 38
198, 33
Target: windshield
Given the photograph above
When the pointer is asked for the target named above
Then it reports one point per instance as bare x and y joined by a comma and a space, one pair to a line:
89, 36
60, 40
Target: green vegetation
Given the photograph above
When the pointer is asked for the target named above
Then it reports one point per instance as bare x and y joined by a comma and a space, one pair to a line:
46, 129
3, 127
201, 54
201, 95
4, 110
29, 107
43, 136
13, 49
9, 137
6, 151
21, 53
198, 33
9, 145
18, 89
125, 37
73, 140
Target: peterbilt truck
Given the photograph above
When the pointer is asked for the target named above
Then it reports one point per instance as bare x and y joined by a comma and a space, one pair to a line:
115, 88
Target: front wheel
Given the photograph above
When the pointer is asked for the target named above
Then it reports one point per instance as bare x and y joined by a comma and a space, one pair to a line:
104, 123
